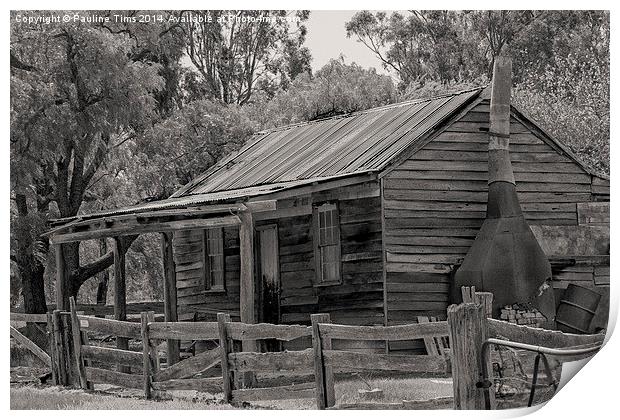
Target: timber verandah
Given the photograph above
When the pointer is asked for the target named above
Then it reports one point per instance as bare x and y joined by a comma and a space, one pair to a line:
163, 221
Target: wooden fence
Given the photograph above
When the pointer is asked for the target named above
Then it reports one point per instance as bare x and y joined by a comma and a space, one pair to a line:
326, 360
467, 327
235, 364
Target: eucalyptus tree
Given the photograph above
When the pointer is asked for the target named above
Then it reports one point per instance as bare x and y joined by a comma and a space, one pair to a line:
79, 90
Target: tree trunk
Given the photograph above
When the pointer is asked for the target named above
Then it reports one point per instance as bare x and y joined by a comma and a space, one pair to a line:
30, 268
33, 285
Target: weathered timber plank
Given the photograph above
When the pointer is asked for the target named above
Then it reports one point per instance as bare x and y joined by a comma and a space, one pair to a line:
241, 331
474, 156
419, 241
481, 185
298, 361
539, 336
21, 317
418, 297
397, 332
110, 326
474, 127
433, 232
184, 330
461, 165
136, 228
211, 385
26, 342
417, 306
394, 267
439, 173
483, 137
421, 258
104, 376
417, 287
352, 361
113, 356
426, 249
481, 197
191, 366
480, 146
287, 392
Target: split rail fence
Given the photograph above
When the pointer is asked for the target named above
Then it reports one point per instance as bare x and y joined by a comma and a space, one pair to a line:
85, 363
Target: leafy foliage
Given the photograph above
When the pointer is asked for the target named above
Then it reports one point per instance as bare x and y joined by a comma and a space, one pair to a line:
337, 88
560, 63
237, 50
176, 150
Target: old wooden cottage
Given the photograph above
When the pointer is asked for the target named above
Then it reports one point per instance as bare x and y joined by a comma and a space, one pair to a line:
364, 216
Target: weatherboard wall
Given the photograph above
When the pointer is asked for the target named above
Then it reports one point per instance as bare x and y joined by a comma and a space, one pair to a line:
435, 202
194, 302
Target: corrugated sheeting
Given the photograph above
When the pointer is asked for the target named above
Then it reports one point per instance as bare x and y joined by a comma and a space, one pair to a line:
198, 199
358, 142
305, 153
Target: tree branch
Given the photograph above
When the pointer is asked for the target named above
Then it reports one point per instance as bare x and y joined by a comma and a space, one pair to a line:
83, 273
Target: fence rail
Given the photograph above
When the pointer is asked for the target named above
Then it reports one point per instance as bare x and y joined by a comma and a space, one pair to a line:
327, 360
75, 360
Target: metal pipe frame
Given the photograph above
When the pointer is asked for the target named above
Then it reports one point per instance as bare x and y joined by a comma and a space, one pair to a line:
540, 350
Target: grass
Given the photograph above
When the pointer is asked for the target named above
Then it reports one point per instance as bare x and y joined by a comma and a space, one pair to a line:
394, 390
58, 398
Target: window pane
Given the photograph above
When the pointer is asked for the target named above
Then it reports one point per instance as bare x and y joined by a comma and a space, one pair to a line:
214, 256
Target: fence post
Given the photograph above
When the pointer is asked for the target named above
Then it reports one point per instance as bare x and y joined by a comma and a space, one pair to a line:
226, 346
324, 376
150, 315
468, 330
77, 345
486, 300
146, 354
60, 355
51, 339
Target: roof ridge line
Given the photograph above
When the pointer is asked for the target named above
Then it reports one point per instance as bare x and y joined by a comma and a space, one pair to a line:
366, 111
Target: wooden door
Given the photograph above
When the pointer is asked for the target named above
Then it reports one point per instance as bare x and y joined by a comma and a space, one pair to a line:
269, 274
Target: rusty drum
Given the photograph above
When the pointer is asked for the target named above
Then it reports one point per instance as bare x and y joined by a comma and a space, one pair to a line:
576, 309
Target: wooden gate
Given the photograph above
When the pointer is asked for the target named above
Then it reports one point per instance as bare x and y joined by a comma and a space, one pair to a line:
238, 363
327, 360
185, 375
142, 369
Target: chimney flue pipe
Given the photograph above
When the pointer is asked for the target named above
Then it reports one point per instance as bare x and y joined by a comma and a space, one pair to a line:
505, 258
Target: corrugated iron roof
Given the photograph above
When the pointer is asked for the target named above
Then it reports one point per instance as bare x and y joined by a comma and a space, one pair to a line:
198, 199
304, 153
358, 142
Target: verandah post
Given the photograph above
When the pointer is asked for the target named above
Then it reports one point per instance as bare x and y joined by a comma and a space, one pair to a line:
170, 295
120, 295
468, 330
226, 346
247, 286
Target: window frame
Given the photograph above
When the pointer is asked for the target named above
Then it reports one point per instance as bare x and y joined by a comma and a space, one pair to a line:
318, 268
207, 274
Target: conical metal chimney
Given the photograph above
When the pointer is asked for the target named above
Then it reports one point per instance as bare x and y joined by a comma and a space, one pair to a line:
505, 258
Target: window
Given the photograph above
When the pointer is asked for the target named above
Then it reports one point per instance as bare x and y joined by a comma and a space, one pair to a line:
213, 259
326, 243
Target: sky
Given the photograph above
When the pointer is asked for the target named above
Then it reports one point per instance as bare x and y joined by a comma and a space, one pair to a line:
327, 38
